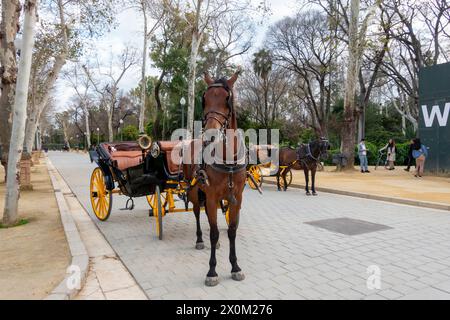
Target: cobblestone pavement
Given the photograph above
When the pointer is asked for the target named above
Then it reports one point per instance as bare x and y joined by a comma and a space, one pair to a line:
281, 255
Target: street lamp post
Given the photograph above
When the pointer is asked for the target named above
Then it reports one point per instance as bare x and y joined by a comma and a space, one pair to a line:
182, 103
78, 141
98, 136
120, 128
85, 141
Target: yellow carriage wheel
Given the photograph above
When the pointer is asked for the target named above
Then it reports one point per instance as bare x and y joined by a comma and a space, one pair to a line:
227, 213
288, 179
101, 198
151, 201
156, 203
256, 173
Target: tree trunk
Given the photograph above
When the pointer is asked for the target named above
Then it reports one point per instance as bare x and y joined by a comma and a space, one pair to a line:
88, 129
35, 115
10, 214
192, 78
8, 72
350, 112
143, 80
159, 110
110, 125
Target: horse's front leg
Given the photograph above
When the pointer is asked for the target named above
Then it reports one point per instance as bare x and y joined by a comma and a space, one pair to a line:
236, 273
313, 181
306, 171
212, 279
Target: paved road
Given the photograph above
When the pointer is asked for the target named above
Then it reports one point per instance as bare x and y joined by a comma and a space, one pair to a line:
282, 256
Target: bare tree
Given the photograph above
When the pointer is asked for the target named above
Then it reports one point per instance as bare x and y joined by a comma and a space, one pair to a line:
304, 46
154, 11
8, 71
10, 213
199, 14
81, 84
419, 35
230, 37
266, 97
107, 87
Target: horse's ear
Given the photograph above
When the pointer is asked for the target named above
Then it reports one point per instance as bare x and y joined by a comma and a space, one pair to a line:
234, 78
209, 81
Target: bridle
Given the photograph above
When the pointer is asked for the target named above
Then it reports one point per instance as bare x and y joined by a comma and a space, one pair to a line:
309, 154
223, 119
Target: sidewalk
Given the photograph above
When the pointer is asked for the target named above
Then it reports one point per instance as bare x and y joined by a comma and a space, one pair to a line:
33, 257
107, 277
393, 186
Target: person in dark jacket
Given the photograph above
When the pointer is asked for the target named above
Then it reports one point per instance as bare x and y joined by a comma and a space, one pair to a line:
410, 155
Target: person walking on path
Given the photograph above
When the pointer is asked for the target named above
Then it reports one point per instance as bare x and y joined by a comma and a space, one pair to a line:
362, 151
410, 155
420, 153
391, 154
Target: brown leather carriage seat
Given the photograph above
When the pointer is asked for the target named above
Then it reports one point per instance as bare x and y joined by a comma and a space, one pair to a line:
125, 154
170, 147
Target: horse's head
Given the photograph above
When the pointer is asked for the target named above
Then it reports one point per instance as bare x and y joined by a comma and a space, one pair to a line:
320, 148
218, 107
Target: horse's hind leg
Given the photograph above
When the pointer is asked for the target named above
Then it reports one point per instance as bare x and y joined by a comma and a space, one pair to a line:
212, 279
194, 197
236, 273
285, 180
307, 182
278, 181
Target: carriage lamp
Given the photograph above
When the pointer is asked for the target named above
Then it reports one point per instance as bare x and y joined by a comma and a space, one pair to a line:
120, 129
155, 150
182, 103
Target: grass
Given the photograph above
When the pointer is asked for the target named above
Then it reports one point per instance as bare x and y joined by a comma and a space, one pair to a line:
18, 224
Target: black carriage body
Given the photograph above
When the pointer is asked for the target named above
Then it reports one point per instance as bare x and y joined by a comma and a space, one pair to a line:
135, 181
139, 180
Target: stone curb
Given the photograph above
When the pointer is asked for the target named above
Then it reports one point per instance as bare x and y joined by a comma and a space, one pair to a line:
80, 258
415, 203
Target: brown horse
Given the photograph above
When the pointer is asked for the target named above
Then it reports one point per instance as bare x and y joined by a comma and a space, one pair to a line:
307, 158
217, 182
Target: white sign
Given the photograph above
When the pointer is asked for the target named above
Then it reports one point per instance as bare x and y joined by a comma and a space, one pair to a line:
436, 114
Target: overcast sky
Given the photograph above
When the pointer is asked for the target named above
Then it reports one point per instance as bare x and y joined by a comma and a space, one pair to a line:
129, 32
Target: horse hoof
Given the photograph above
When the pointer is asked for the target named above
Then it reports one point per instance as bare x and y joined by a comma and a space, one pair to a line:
238, 276
308, 194
211, 281
315, 194
200, 246
218, 245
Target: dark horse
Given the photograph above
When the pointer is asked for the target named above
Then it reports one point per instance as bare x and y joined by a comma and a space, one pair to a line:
213, 183
307, 157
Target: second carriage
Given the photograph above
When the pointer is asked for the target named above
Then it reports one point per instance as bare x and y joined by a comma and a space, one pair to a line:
264, 167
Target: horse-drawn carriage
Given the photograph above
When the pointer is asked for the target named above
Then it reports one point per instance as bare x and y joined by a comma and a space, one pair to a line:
139, 169
265, 167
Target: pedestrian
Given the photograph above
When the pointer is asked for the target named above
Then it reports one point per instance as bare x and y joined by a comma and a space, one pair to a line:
362, 151
410, 156
391, 150
420, 153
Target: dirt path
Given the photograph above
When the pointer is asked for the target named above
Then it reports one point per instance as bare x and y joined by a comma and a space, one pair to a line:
397, 183
33, 257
